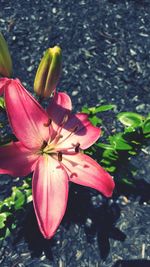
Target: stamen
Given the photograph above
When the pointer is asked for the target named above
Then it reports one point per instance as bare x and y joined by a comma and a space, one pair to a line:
75, 129
44, 145
65, 118
77, 148
59, 156
71, 131
58, 135
47, 124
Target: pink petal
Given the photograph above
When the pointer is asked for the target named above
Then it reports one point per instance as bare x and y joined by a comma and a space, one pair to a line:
85, 171
59, 107
26, 116
83, 132
50, 194
3, 82
16, 160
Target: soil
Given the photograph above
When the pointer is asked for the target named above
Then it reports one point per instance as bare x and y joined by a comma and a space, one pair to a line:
105, 46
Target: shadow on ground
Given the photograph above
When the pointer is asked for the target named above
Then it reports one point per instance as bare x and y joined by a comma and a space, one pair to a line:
132, 263
97, 221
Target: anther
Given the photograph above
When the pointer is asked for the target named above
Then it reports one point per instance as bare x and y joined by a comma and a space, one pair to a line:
59, 156
47, 124
77, 148
44, 145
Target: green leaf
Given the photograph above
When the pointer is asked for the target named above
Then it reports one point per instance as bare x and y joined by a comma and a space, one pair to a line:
147, 135
105, 146
102, 108
146, 126
85, 109
127, 182
3, 217
119, 142
95, 120
129, 129
2, 103
132, 153
19, 198
130, 119
111, 168
110, 154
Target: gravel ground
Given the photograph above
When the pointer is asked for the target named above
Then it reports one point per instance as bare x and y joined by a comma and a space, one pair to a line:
106, 54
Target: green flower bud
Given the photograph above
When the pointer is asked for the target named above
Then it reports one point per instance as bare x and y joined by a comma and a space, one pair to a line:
48, 72
5, 59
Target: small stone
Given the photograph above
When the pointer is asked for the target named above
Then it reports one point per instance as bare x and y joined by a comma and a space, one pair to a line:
30, 68
132, 52
120, 69
79, 254
54, 10
74, 93
88, 222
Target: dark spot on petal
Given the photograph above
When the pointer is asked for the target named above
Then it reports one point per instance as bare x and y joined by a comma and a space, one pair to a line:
85, 166
73, 175
59, 167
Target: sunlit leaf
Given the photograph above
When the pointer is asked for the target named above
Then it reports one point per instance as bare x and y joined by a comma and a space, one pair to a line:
110, 154
95, 120
132, 153
105, 146
102, 108
85, 109
3, 218
2, 103
130, 119
19, 198
146, 126
111, 168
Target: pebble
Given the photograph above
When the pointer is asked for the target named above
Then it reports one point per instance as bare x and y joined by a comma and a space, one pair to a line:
74, 93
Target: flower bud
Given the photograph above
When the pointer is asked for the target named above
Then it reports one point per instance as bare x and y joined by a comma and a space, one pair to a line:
5, 59
48, 72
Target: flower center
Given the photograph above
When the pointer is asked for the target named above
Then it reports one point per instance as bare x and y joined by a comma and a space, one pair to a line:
51, 147
50, 150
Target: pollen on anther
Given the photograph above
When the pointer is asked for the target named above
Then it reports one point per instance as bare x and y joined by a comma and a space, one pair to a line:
77, 148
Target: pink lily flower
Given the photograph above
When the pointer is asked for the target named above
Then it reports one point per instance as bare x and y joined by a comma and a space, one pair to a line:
50, 145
